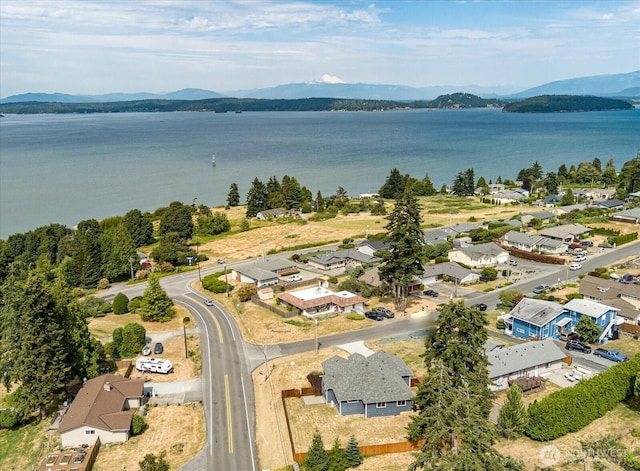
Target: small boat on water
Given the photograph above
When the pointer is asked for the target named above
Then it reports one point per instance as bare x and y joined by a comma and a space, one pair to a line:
213, 159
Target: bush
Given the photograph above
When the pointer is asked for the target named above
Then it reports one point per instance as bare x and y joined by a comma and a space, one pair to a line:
138, 425
571, 409
214, 284
134, 304
354, 316
120, 304
103, 283
10, 418
500, 324
246, 291
488, 274
571, 296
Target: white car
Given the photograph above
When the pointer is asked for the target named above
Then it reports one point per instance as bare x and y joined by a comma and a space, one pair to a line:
579, 258
294, 278
575, 266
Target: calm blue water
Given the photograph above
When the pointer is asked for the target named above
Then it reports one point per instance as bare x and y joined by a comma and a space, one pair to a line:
66, 168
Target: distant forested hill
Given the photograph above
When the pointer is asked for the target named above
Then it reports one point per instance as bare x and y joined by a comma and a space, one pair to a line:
464, 100
566, 103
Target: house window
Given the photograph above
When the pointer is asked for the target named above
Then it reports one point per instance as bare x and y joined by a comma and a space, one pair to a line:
520, 374
401, 403
520, 330
548, 365
381, 405
90, 432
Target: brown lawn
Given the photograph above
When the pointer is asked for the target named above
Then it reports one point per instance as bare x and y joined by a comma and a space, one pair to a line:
103, 327
178, 430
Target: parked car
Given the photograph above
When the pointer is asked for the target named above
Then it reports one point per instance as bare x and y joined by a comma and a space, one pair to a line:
481, 307
208, 302
578, 346
293, 278
430, 292
586, 243
575, 266
580, 252
146, 350
627, 278
375, 315
571, 336
158, 348
386, 312
613, 355
579, 258
513, 262
540, 289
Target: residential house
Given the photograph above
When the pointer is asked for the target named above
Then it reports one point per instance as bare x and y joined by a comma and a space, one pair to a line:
376, 386
567, 233
604, 193
527, 359
341, 259
271, 213
369, 247
513, 223
461, 229
612, 204
372, 278
623, 296
103, 408
540, 319
481, 255
506, 197
320, 300
496, 188
530, 243
630, 215
265, 273
435, 236
544, 216
634, 195
451, 270
569, 208
552, 200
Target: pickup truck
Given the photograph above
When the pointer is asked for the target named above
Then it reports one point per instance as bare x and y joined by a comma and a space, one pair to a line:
613, 355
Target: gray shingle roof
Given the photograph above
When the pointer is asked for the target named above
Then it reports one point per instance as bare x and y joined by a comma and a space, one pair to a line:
587, 307
341, 255
476, 251
377, 378
509, 360
536, 311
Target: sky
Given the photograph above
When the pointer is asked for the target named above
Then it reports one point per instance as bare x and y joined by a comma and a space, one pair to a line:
105, 46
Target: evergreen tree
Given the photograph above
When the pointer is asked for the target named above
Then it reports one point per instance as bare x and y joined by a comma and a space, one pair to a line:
88, 254
630, 175
482, 183
233, 198
116, 342
393, 186
464, 183
588, 329
609, 176
117, 248
443, 189
352, 453
597, 164
172, 249
291, 192
35, 348
427, 186
551, 183
337, 459
120, 304
317, 458
134, 337
563, 173
454, 401
403, 260
177, 218
155, 306
256, 198
140, 228
513, 418
319, 202
275, 197
567, 199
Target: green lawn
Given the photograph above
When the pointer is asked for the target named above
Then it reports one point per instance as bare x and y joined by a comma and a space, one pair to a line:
22, 447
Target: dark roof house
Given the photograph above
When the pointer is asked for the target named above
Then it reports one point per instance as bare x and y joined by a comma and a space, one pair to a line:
378, 385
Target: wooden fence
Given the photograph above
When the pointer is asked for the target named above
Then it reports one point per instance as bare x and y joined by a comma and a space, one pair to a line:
630, 328
365, 450
284, 314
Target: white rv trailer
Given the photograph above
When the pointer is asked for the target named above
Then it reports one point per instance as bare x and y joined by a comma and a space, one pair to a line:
154, 365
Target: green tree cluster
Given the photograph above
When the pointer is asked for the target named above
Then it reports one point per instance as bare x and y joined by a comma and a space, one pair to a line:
156, 306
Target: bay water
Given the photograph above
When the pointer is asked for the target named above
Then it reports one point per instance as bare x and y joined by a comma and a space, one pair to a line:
66, 168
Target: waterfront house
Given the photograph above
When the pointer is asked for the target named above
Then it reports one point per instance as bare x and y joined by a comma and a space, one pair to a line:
376, 386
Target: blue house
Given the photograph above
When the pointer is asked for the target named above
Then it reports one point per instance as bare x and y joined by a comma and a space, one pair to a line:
376, 386
540, 319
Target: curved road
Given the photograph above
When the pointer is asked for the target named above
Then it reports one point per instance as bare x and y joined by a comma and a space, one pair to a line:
227, 361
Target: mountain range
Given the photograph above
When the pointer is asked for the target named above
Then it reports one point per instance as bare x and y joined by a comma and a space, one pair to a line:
625, 85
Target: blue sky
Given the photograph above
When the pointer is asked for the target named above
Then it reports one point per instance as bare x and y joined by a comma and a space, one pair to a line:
102, 46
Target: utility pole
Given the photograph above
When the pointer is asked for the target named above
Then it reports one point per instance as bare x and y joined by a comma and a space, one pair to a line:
198, 258
316, 336
131, 266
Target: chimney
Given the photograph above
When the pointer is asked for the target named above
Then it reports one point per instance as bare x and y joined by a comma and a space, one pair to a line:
107, 386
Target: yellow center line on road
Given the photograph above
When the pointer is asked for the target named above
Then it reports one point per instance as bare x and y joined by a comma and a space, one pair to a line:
229, 425
215, 320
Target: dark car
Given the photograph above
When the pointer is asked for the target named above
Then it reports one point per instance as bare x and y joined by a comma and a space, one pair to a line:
540, 289
613, 355
158, 348
386, 312
430, 292
627, 279
375, 315
570, 336
481, 307
578, 346
208, 302
586, 243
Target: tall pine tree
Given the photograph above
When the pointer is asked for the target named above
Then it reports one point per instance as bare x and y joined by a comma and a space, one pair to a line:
156, 306
317, 458
513, 418
404, 259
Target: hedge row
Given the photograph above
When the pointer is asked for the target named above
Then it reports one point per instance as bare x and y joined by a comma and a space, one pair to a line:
571, 409
215, 285
537, 257
622, 239
604, 231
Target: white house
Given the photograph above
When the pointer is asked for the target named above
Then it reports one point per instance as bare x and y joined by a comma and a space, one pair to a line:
481, 255
103, 408
320, 300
